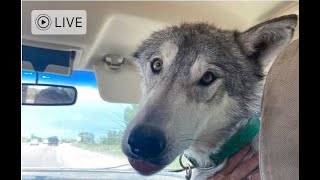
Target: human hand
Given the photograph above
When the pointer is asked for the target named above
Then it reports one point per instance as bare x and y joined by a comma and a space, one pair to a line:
234, 170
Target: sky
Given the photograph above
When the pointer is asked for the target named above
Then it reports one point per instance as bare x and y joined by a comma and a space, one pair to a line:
89, 114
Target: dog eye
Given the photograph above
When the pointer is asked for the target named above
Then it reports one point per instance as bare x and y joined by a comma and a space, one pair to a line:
207, 79
156, 65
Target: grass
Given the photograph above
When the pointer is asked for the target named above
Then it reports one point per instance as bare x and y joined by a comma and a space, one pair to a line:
115, 150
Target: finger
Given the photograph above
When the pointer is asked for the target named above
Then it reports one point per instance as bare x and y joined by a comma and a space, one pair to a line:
234, 160
217, 177
245, 168
255, 176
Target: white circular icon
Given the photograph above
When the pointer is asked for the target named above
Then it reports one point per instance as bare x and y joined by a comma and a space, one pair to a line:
43, 22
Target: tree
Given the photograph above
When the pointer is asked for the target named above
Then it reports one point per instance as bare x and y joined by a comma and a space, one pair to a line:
130, 112
103, 140
86, 137
36, 137
112, 138
115, 137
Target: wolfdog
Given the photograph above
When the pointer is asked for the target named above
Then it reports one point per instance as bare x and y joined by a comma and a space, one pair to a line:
201, 85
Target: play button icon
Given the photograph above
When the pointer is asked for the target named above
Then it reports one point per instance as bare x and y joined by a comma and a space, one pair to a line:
43, 22
58, 22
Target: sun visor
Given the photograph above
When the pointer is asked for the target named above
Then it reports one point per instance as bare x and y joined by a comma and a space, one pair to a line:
47, 60
118, 84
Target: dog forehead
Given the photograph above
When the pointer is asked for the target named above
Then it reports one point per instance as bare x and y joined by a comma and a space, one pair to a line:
188, 56
199, 65
182, 45
192, 36
169, 50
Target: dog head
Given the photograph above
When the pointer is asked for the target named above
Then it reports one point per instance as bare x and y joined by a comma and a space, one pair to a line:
198, 80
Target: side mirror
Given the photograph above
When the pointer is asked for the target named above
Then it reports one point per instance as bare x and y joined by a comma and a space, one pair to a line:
48, 95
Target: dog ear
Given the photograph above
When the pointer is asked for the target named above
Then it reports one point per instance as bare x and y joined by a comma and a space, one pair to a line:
263, 42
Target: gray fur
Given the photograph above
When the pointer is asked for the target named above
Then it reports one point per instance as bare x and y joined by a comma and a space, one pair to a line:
198, 119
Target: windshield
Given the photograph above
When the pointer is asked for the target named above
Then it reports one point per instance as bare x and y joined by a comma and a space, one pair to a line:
82, 136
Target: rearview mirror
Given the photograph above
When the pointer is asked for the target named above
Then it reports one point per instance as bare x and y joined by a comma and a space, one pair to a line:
48, 95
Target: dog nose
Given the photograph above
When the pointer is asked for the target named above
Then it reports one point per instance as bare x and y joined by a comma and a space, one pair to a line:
146, 141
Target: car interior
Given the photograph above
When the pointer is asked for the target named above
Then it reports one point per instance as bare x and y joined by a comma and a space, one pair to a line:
103, 58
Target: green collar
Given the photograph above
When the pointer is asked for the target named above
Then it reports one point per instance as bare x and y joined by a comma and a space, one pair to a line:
236, 142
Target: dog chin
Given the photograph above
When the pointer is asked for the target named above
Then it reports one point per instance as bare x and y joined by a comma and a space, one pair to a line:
144, 167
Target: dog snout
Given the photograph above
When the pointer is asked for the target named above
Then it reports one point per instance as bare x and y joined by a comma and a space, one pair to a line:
147, 142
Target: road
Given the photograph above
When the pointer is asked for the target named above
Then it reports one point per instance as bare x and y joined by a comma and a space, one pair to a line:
66, 156
43, 156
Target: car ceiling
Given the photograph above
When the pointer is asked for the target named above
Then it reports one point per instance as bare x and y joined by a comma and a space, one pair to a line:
119, 27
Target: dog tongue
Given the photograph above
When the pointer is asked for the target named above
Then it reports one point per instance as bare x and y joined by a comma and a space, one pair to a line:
143, 167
